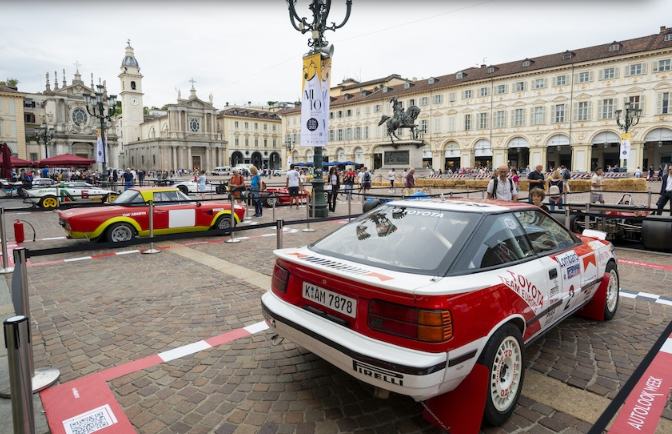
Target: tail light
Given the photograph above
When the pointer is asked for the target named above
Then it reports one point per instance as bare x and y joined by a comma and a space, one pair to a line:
280, 279
409, 322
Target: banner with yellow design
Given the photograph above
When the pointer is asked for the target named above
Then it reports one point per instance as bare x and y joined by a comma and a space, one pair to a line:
315, 100
625, 146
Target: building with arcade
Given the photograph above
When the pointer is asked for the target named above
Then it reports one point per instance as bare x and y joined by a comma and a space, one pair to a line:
556, 109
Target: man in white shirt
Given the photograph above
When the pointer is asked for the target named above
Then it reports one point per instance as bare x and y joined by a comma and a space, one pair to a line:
638, 173
596, 184
502, 187
391, 176
293, 184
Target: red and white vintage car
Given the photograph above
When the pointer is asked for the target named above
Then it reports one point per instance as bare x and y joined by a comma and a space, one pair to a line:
413, 295
280, 196
128, 215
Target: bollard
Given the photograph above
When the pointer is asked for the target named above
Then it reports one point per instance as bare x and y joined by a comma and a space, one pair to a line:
467, 192
43, 377
567, 218
246, 218
274, 199
233, 220
3, 236
308, 229
17, 341
349, 207
482, 194
649, 204
278, 231
587, 219
151, 249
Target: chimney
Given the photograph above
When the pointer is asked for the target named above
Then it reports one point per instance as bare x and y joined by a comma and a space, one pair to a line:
482, 66
414, 79
662, 29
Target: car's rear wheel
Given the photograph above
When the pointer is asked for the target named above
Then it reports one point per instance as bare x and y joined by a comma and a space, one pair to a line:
223, 222
49, 202
503, 356
183, 189
611, 305
120, 232
270, 200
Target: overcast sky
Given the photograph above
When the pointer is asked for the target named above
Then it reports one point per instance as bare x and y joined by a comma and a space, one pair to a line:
247, 50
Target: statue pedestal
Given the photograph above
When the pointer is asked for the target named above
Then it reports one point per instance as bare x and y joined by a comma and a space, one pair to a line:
404, 154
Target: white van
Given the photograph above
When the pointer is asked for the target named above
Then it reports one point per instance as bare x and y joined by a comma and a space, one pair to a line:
222, 170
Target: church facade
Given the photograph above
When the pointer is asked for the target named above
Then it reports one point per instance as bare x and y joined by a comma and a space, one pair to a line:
185, 136
62, 109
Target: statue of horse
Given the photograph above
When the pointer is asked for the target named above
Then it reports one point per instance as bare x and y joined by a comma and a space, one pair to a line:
407, 120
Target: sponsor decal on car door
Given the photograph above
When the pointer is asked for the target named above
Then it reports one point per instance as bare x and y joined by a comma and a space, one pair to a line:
181, 218
529, 282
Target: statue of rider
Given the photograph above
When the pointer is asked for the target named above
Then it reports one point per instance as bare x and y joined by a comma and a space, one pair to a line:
397, 109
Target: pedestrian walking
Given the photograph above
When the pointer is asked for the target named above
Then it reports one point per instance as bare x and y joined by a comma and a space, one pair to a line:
502, 187
201, 184
333, 187
255, 188
128, 179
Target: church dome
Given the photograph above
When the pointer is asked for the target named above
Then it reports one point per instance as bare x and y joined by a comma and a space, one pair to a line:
130, 60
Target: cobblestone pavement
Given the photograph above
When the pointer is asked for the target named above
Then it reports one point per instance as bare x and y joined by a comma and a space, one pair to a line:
90, 315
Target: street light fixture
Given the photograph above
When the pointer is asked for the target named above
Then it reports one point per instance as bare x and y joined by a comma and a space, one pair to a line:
631, 119
46, 134
320, 10
97, 110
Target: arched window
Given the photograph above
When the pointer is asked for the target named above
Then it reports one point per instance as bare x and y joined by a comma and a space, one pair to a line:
132, 85
341, 155
359, 156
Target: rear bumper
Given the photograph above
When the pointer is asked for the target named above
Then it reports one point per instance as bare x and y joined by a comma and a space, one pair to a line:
417, 374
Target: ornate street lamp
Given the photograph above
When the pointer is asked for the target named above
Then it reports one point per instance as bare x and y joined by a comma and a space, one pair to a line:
46, 134
318, 44
97, 110
631, 119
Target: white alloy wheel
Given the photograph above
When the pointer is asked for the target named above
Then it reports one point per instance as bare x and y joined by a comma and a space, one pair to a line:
505, 374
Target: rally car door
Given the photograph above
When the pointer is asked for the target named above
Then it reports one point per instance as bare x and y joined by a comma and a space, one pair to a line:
171, 213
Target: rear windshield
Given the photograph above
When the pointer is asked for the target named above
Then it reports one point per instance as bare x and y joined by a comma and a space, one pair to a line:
402, 238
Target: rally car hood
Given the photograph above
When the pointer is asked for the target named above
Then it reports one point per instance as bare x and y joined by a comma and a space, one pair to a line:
357, 272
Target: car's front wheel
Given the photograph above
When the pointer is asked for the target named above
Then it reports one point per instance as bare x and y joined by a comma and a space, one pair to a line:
223, 222
270, 200
503, 356
49, 202
110, 197
120, 232
611, 305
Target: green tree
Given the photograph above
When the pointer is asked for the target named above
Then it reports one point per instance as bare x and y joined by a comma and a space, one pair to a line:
10, 82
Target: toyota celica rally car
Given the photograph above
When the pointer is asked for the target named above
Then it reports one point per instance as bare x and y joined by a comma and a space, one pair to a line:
410, 296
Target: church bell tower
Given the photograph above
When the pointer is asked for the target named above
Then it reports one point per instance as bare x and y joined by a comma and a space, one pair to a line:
131, 98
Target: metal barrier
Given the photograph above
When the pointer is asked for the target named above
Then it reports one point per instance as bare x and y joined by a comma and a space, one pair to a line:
18, 343
151, 249
308, 229
233, 239
279, 224
3, 235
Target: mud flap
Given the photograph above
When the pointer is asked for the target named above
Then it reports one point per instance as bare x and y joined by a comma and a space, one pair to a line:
595, 308
461, 411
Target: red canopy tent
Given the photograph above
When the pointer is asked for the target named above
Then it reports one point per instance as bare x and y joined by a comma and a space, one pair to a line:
18, 162
66, 160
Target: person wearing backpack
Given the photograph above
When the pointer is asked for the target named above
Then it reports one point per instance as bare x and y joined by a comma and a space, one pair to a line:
366, 180
566, 177
555, 188
501, 187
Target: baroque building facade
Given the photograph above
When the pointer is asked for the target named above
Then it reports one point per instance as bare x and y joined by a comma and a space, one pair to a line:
184, 136
557, 109
63, 110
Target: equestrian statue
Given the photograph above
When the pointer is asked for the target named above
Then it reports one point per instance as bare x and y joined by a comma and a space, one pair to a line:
401, 119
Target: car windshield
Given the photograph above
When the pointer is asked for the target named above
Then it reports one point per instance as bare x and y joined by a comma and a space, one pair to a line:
402, 238
129, 197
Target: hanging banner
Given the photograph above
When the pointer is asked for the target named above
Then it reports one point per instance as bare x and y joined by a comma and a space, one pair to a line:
315, 101
625, 146
100, 155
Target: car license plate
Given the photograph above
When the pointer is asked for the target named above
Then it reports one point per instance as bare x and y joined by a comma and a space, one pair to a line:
324, 297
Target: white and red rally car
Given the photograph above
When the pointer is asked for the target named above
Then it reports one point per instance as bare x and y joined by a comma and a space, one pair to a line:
410, 296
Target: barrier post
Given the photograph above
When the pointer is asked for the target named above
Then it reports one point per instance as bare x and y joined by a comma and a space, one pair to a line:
430, 190
349, 206
274, 197
278, 232
151, 249
482, 194
567, 219
233, 220
649, 204
308, 229
43, 377
587, 219
467, 192
3, 237
248, 202
18, 343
